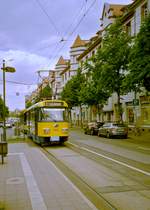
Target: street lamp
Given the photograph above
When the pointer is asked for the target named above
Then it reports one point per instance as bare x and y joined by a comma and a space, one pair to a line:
11, 70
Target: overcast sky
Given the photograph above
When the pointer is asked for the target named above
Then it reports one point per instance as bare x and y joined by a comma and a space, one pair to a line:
30, 38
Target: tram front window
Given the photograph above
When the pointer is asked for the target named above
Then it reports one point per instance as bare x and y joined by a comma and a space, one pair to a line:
52, 115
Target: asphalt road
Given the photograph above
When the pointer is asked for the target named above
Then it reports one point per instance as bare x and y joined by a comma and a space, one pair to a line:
9, 132
117, 170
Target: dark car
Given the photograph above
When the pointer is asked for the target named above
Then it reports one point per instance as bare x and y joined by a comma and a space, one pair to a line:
113, 129
1, 124
7, 124
92, 127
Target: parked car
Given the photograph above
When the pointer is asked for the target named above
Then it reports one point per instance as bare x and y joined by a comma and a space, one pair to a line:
8, 125
113, 129
92, 127
1, 124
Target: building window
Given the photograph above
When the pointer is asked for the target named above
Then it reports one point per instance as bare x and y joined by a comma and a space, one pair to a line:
144, 11
73, 59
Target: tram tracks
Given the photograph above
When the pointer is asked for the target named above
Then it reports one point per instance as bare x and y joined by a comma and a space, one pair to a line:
104, 158
124, 161
92, 194
97, 195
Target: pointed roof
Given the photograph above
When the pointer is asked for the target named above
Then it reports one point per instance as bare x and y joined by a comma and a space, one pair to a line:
78, 42
116, 9
61, 61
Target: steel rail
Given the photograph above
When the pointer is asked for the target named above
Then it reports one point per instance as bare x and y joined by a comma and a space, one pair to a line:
95, 197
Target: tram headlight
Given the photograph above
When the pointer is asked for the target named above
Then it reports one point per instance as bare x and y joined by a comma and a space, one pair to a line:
64, 130
46, 130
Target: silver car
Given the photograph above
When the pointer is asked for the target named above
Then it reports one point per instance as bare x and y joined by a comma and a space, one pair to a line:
113, 129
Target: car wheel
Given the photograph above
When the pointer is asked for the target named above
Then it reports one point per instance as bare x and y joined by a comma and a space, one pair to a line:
92, 132
125, 136
99, 134
85, 132
108, 135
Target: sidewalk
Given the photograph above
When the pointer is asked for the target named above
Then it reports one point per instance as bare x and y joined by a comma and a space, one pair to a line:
144, 138
29, 180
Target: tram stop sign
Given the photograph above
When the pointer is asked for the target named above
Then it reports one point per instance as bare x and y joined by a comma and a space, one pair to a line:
9, 69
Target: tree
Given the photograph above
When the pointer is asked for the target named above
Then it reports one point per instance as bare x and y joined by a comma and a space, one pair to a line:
45, 93
139, 65
28, 104
92, 90
71, 91
1, 109
112, 61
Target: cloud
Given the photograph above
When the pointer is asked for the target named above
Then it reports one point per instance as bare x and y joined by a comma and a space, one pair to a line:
26, 65
28, 37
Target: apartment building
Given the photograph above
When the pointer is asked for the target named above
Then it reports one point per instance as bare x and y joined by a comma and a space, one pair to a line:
136, 107
77, 48
132, 16
109, 14
57, 82
65, 75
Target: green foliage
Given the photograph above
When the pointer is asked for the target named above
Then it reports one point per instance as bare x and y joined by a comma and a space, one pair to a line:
28, 104
1, 109
139, 66
113, 58
91, 93
45, 93
108, 66
71, 91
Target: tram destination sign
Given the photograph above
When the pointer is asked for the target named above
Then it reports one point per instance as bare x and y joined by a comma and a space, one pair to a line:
54, 104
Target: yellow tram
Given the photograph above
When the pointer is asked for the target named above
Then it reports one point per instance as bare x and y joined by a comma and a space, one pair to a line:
47, 122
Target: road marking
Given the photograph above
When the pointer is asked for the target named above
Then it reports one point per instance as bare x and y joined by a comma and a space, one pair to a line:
90, 204
34, 192
116, 161
15, 153
144, 148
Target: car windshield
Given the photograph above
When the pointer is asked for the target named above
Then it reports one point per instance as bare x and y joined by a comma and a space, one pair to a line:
52, 115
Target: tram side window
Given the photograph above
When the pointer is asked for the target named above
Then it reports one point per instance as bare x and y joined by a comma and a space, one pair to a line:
28, 118
25, 119
66, 115
32, 117
37, 113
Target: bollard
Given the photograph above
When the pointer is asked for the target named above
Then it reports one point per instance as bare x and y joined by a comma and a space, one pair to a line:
3, 149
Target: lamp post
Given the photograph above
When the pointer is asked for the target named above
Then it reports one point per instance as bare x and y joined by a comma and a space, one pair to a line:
11, 70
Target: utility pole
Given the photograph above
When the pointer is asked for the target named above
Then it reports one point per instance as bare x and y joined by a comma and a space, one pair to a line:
4, 102
11, 70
